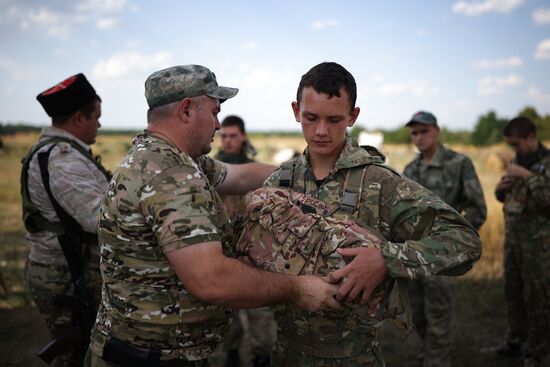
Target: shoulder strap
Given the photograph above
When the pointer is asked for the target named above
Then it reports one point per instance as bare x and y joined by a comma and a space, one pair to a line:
287, 173
353, 187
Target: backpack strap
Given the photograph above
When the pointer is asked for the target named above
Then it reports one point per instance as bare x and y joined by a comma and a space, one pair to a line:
353, 188
286, 177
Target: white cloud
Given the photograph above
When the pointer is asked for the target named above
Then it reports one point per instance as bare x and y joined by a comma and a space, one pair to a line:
101, 6
541, 16
44, 19
539, 96
106, 23
486, 6
543, 49
510, 62
322, 24
125, 63
15, 70
250, 45
494, 85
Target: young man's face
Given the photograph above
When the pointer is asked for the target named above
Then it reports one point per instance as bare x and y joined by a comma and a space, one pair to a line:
424, 137
522, 146
324, 121
232, 139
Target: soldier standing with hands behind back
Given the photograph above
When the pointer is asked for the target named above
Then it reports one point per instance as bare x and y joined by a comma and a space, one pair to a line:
453, 178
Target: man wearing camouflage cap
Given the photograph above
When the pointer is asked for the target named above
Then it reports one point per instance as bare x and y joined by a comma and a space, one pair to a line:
61, 187
419, 235
453, 178
163, 234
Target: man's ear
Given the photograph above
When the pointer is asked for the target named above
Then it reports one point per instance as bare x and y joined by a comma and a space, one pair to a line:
184, 110
79, 119
353, 116
296, 110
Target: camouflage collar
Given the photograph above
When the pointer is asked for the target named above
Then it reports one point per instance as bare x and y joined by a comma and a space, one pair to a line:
52, 131
147, 136
351, 155
438, 159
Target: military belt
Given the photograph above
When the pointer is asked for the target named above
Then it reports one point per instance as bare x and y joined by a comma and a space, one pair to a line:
121, 354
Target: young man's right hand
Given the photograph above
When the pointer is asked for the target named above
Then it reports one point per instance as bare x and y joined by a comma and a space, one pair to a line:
316, 294
505, 183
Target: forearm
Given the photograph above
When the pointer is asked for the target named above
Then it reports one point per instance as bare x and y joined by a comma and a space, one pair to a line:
242, 178
448, 249
239, 285
539, 188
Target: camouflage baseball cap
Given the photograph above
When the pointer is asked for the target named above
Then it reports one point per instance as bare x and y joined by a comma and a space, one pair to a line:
178, 82
423, 117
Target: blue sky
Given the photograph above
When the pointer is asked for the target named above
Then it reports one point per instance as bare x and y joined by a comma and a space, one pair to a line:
458, 59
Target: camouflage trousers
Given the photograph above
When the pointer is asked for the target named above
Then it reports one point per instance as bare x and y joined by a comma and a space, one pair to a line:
262, 329
527, 283
284, 356
432, 302
44, 283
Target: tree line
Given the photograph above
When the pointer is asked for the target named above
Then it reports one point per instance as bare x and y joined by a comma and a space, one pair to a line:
487, 131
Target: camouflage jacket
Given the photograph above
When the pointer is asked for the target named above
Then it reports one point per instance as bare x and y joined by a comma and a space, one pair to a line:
531, 197
452, 176
77, 185
450, 246
234, 204
159, 200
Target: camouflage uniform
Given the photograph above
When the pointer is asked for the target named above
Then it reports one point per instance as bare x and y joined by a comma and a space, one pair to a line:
159, 200
261, 324
347, 337
527, 257
453, 178
77, 185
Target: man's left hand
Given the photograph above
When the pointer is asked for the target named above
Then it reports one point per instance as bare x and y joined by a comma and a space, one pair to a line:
363, 274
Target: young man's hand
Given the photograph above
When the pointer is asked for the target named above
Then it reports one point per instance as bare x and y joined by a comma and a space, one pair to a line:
363, 274
316, 294
505, 183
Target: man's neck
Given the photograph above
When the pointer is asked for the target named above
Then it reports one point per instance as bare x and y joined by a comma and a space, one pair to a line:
321, 165
428, 155
163, 131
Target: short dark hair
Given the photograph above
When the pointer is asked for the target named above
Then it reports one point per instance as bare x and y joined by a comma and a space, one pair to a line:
87, 109
329, 78
233, 120
520, 127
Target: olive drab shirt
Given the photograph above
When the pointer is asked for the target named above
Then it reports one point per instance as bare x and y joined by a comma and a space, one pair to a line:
159, 200
452, 176
77, 185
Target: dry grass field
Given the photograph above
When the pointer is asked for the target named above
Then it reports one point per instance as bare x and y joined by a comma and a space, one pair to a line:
480, 311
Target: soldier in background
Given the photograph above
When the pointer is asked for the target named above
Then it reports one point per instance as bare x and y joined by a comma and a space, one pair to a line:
62, 185
453, 178
237, 149
525, 191
166, 240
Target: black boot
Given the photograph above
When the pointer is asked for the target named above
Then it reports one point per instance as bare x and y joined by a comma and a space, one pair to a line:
232, 359
261, 361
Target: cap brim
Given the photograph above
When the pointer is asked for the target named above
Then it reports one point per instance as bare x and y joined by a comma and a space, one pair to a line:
223, 93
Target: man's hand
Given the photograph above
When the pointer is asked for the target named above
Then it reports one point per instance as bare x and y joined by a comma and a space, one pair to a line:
316, 294
515, 170
363, 274
505, 183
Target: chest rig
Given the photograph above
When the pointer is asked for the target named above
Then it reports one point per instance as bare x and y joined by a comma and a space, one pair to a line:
291, 232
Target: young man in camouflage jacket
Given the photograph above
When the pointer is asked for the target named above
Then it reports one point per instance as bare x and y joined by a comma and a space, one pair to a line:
452, 177
392, 205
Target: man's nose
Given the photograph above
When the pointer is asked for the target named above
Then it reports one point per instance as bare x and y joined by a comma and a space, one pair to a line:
321, 128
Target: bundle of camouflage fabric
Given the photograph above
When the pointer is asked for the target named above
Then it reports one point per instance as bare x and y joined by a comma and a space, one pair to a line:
294, 233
